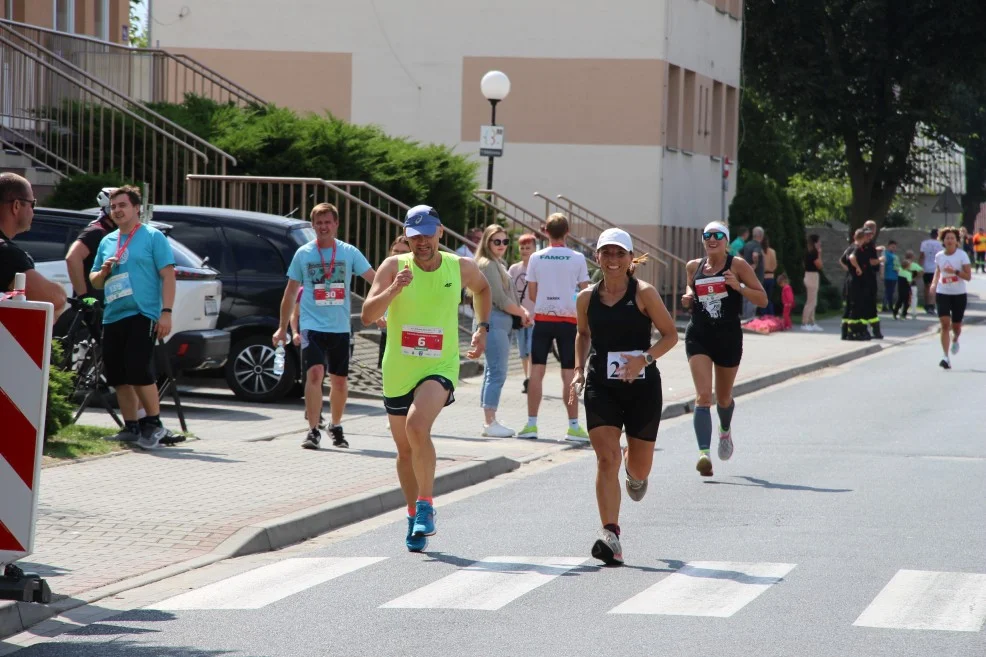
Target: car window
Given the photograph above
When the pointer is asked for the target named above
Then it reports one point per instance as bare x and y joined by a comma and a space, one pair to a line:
45, 241
303, 235
253, 253
184, 256
205, 241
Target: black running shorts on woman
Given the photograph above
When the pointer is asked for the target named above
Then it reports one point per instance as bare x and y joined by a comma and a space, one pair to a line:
714, 329
952, 305
609, 402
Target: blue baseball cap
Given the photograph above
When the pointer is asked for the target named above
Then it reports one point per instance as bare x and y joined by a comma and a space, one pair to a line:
422, 220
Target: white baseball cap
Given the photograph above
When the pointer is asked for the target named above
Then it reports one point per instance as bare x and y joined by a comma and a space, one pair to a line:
616, 237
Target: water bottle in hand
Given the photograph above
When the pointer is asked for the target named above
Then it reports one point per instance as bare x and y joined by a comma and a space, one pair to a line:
279, 359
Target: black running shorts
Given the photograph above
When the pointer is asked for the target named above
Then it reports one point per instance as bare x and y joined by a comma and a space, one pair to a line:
401, 405
128, 351
722, 344
562, 334
635, 407
951, 305
330, 350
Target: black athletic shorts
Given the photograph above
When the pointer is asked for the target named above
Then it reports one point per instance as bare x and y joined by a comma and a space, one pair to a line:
401, 405
128, 351
723, 344
330, 350
951, 305
928, 277
562, 334
634, 407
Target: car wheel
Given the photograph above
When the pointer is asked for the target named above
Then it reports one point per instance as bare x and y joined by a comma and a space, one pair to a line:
250, 371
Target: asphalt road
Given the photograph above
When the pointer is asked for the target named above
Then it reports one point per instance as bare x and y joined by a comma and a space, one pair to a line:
849, 522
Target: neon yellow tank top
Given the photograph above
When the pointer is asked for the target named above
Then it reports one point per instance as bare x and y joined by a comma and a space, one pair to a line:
423, 327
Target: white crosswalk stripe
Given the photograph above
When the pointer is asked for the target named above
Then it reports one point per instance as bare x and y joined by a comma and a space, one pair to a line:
926, 600
706, 588
488, 584
260, 587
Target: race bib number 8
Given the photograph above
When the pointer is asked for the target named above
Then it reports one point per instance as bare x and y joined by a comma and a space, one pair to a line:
711, 288
422, 341
117, 287
334, 295
615, 362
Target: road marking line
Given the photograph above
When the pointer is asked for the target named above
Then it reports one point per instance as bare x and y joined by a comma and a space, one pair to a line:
488, 585
706, 588
260, 587
928, 600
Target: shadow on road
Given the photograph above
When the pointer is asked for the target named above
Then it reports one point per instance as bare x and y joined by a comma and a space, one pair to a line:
763, 483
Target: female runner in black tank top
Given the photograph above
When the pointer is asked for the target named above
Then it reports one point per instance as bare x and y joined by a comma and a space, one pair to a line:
717, 285
622, 387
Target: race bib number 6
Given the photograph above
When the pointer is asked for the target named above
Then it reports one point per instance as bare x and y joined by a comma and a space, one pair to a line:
422, 341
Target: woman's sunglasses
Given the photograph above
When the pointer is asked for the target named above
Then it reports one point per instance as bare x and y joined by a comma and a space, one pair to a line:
718, 234
503, 242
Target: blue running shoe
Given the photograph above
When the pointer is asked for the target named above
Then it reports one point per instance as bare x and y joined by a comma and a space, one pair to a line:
424, 519
414, 543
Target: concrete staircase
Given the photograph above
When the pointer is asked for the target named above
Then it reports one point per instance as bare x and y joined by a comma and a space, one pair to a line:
42, 179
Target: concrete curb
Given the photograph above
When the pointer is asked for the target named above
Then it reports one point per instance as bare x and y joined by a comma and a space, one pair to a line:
267, 536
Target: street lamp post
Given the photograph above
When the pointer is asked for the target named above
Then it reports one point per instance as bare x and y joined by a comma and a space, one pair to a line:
495, 86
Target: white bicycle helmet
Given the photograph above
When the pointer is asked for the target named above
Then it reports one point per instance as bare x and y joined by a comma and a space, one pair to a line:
103, 198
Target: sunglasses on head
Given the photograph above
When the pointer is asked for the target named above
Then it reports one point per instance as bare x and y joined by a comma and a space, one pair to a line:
503, 242
718, 234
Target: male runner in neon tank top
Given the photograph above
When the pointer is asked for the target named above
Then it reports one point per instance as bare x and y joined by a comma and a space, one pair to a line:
420, 293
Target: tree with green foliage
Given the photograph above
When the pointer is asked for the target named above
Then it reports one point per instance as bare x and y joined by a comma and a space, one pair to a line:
821, 199
868, 72
138, 29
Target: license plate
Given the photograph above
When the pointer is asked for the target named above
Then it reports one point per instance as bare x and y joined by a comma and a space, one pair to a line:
211, 306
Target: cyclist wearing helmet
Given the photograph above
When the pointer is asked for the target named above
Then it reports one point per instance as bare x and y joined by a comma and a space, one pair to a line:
82, 253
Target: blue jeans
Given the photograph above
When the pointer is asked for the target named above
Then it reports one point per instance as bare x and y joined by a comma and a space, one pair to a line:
524, 336
889, 285
497, 357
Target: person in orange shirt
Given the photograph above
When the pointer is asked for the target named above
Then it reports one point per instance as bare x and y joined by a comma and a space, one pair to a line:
979, 247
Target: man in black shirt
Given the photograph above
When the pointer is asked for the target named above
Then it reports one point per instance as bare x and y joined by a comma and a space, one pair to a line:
16, 214
82, 253
869, 260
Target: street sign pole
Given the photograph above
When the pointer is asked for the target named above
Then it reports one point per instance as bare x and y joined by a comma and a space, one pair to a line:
489, 166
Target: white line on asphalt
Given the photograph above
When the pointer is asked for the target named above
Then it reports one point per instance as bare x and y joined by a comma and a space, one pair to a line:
927, 600
488, 584
706, 588
260, 587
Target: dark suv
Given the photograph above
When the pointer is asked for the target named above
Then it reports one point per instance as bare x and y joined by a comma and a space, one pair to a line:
252, 252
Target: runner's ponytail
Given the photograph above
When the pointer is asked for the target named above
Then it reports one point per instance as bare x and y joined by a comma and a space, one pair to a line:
639, 260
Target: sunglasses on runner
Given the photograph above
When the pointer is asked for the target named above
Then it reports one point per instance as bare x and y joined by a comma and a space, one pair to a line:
503, 242
718, 234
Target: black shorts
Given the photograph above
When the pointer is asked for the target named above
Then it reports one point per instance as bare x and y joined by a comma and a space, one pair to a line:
951, 305
562, 334
928, 277
723, 344
634, 407
401, 405
330, 350
128, 351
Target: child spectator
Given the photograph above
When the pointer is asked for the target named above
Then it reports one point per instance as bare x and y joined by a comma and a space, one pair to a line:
787, 298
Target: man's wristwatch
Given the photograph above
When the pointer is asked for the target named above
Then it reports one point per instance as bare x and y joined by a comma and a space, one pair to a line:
485, 325
648, 358
166, 310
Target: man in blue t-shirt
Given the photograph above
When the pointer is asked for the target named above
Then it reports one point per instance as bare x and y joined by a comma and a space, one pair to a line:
135, 268
890, 269
324, 268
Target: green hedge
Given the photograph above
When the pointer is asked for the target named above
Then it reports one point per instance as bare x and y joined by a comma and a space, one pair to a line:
79, 192
59, 410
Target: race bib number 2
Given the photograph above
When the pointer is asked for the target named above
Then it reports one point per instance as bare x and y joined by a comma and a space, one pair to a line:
615, 360
332, 295
422, 341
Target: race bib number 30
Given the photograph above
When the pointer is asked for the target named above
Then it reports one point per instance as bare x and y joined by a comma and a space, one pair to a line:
117, 287
422, 341
615, 362
333, 295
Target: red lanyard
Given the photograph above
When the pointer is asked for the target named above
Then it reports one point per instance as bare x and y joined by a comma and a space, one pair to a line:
121, 249
332, 263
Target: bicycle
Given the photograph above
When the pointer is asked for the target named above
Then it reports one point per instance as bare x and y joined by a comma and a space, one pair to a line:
82, 355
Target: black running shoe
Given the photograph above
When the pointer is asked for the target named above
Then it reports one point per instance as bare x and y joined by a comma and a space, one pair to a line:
312, 439
945, 365
338, 440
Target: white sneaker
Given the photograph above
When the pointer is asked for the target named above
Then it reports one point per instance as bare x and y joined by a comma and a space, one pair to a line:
497, 430
807, 327
817, 328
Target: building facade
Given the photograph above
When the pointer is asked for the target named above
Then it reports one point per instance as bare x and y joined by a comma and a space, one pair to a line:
108, 20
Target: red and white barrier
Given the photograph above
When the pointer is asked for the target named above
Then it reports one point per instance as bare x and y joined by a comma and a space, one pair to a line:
25, 342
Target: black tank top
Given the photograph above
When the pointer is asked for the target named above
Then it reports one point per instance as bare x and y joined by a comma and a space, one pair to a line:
617, 329
715, 304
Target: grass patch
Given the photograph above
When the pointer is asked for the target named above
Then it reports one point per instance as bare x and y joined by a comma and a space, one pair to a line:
78, 440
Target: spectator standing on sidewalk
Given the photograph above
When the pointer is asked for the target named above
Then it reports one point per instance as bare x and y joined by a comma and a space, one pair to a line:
813, 268
966, 243
869, 260
527, 245
891, 269
769, 269
979, 248
851, 288
135, 267
753, 254
736, 246
929, 249
489, 258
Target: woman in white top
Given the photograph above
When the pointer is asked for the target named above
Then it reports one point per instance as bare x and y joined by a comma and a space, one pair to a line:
952, 269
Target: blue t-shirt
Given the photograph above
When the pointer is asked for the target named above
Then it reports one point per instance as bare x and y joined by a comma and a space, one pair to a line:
330, 313
134, 284
889, 266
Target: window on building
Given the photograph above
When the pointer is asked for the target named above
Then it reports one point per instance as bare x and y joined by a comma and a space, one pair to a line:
708, 112
689, 112
717, 100
732, 122
102, 19
674, 106
65, 15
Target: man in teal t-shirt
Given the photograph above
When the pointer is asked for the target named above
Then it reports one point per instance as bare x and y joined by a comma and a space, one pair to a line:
135, 268
324, 268
736, 246
890, 268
